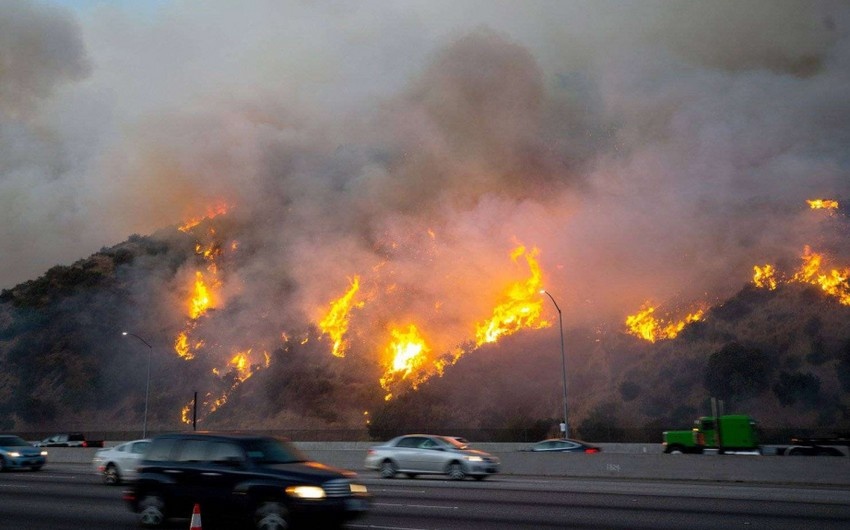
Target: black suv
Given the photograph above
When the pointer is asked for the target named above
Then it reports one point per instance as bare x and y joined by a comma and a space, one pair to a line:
250, 477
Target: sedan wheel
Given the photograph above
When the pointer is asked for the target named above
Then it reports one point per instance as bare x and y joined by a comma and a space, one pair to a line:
111, 475
455, 471
388, 469
152, 511
271, 516
2, 464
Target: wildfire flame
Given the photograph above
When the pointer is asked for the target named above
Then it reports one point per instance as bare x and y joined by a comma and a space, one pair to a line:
408, 353
409, 356
202, 299
822, 204
212, 211
765, 277
522, 306
833, 282
239, 369
335, 322
645, 325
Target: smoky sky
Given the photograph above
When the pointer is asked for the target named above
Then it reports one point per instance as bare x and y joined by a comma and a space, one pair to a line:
649, 150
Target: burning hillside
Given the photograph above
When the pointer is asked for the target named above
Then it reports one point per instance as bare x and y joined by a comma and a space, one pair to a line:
355, 215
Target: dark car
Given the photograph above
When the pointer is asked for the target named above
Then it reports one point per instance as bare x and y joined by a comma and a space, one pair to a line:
260, 479
17, 453
564, 445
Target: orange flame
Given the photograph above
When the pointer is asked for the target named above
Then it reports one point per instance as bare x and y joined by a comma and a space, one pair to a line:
201, 299
833, 282
822, 204
212, 211
765, 277
645, 325
522, 306
184, 348
408, 353
335, 322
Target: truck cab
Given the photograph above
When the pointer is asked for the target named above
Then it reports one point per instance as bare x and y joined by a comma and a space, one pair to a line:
728, 433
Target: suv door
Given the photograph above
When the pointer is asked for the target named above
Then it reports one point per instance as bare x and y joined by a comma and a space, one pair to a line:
221, 473
185, 470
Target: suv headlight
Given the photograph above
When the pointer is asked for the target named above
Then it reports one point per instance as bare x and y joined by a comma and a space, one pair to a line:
306, 492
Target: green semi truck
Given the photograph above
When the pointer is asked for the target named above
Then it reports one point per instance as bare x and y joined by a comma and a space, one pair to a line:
738, 433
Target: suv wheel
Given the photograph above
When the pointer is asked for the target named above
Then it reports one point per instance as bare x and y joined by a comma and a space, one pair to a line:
271, 516
152, 511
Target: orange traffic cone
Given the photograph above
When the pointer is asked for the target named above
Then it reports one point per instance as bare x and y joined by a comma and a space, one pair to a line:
195, 524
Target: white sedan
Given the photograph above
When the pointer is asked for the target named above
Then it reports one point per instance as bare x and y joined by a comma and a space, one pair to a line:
118, 464
421, 454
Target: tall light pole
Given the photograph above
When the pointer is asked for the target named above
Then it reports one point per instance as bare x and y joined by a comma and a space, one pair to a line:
563, 361
148, 383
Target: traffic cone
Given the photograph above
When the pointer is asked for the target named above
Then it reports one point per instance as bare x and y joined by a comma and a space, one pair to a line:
195, 524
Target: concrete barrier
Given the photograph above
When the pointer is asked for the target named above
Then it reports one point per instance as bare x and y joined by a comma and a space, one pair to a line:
623, 461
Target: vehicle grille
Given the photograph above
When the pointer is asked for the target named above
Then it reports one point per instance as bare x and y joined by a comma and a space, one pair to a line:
337, 488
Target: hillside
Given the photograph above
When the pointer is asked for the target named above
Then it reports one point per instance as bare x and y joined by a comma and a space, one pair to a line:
782, 356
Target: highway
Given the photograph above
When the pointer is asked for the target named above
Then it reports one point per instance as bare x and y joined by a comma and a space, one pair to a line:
68, 496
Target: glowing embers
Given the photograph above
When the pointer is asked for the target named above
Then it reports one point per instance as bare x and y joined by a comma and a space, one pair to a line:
335, 322
646, 325
833, 282
239, 369
521, 305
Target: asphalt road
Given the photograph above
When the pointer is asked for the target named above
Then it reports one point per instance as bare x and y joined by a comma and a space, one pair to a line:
68, 496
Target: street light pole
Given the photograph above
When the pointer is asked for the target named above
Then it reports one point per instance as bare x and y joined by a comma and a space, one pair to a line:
148, 383
563, 361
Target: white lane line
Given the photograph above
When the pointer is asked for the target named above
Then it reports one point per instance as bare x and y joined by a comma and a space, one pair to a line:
384, 527
415, 505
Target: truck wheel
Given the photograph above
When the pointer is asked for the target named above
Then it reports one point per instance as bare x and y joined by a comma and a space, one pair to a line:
271, 515
674, 450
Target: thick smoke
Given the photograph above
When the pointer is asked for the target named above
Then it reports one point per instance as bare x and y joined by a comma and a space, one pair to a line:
651, 151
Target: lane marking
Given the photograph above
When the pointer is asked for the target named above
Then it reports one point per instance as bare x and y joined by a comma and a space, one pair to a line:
415, 505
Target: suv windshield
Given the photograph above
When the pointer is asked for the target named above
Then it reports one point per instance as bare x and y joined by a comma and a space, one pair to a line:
271, 451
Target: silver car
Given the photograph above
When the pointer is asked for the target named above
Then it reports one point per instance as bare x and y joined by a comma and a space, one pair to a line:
421, 454
118, 464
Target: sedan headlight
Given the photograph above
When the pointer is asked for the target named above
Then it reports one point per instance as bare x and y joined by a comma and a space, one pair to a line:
14, 454
474, 459
306, 492
44, 453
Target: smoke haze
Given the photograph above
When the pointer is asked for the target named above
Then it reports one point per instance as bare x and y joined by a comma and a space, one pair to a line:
649, 150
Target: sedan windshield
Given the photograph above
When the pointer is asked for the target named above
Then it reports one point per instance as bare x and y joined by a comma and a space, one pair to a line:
271, 451
12, 441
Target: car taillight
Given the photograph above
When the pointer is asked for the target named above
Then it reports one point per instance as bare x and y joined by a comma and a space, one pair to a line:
85, 444
591, 450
